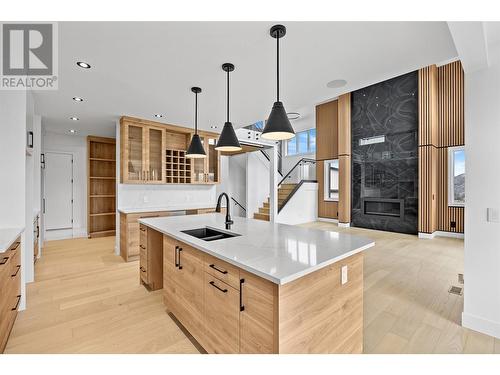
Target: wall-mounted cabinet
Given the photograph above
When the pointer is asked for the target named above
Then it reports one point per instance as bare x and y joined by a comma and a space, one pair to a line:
155, 153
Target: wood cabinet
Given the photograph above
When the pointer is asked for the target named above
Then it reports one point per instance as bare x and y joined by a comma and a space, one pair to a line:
183, 278
151, 258
101, 186
222, 316
10, 289
130, 233
142, 154
229, 310
154, 153
327, 131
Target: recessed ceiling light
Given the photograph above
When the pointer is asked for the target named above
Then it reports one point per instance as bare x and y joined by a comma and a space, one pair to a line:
293, 115
83, 65
72, 131
336, 83
77, 99
213, 127
158, 115
74, 118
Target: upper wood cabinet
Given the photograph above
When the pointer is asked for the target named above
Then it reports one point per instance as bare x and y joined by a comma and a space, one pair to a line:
154, 153
327, 131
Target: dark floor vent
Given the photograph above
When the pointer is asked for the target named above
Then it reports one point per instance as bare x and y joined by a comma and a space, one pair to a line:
455, 290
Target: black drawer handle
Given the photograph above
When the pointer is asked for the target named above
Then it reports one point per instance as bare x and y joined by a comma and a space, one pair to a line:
215, 286
142, 230
217, 269
176, 256
242, 307
16, 246
4, 260
142, 247
17, 303
142, 269
17, 271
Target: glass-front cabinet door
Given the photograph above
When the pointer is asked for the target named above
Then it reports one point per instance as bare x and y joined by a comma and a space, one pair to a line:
134, 154
155, 156
213, 162
199, 166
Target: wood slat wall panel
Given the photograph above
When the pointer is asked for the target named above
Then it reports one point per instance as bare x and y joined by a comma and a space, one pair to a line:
345, 189
441, 125
451, 105
344, 108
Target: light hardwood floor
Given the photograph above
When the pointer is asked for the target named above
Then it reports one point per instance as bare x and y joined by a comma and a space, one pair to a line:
87, 300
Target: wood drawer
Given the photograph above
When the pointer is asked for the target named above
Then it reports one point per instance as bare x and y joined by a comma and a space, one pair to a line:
222, 270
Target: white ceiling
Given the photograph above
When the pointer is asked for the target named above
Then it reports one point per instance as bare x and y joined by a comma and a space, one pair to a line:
143, 68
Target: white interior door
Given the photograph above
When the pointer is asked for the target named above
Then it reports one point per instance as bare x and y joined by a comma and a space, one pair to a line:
58, 201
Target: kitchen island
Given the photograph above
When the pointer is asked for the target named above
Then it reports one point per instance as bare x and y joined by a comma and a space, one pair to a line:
260, 287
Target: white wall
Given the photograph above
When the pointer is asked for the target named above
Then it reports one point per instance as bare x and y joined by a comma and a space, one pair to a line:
237, 181
302, 207
77, 146
13, 105
257, 178
482, 238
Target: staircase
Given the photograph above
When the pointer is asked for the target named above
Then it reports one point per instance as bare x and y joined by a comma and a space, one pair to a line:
283, 192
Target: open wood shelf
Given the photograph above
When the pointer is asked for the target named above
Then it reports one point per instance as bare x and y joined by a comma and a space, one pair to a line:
103, 214
101, 194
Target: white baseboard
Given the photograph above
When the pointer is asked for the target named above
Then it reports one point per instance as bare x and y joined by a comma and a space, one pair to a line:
345, 225
327, 220
427, 236
439, 233
64, 234
482, 325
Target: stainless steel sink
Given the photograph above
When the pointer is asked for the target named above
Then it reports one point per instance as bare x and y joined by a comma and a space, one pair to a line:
209, 234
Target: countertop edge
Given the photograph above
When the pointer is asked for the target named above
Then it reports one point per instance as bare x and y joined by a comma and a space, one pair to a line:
253, 271
138, 210
12, 239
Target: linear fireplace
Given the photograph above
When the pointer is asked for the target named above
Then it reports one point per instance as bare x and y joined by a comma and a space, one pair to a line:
384, 207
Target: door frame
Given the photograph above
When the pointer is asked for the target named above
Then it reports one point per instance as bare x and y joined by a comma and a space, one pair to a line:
44, 180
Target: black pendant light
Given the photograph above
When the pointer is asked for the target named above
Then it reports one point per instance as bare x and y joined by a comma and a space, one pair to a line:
228, 141
278, 126
195, 149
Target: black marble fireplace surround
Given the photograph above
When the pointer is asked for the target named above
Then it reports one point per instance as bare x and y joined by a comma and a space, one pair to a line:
385, 155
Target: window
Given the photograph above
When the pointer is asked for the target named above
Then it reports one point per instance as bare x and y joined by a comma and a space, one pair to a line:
456, 176
303, 143
331, 184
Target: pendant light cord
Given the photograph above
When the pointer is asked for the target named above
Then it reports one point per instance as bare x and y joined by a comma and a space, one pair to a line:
278, 67
195, 113
227, 95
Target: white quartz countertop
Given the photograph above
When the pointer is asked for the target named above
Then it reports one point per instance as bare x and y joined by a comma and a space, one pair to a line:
137, 210
277, 252
8, 236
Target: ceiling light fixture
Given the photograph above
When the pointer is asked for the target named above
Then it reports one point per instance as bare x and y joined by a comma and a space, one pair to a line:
293, 115
336, 83
213, 127
83, 65
195, 149
74, 118
228, 141
72, 131
77, 99
278, 126
158, 115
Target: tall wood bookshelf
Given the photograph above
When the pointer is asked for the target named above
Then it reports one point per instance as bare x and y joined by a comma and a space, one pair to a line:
101, 186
